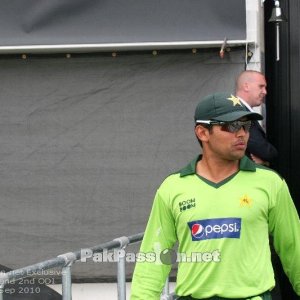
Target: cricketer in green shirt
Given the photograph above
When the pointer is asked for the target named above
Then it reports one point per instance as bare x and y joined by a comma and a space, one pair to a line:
223, 234
222, 225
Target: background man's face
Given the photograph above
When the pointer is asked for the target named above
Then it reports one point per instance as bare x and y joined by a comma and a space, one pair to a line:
257, 90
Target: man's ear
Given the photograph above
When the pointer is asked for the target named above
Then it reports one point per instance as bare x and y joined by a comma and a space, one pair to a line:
246, 86
202, 133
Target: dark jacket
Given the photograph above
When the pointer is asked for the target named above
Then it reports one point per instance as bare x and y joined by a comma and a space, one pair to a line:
259, 145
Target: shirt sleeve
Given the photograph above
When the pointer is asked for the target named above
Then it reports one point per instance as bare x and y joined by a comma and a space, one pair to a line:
284, 225
150, 275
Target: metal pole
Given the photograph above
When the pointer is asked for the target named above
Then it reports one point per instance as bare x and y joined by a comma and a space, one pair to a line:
69, 258
166, 291
277, 42
121, 275
3, 281
66, 283
1, 292
121, 255
85, 48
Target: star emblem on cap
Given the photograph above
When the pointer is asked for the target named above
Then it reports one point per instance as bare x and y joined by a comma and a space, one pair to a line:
235, 100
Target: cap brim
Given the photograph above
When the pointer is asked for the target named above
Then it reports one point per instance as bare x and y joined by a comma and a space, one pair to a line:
235, 115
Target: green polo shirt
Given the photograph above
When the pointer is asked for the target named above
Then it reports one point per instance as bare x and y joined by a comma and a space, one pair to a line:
222, 232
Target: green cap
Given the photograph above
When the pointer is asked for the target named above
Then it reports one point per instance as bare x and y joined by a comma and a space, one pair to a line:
223, 107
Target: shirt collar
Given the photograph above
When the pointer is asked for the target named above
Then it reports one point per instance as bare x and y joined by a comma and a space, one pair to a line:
245, 165
246, 104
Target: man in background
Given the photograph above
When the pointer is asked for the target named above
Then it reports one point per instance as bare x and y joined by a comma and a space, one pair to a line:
251, 88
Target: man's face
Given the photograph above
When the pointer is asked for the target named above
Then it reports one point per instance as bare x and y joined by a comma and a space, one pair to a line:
227, 145
257, 89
